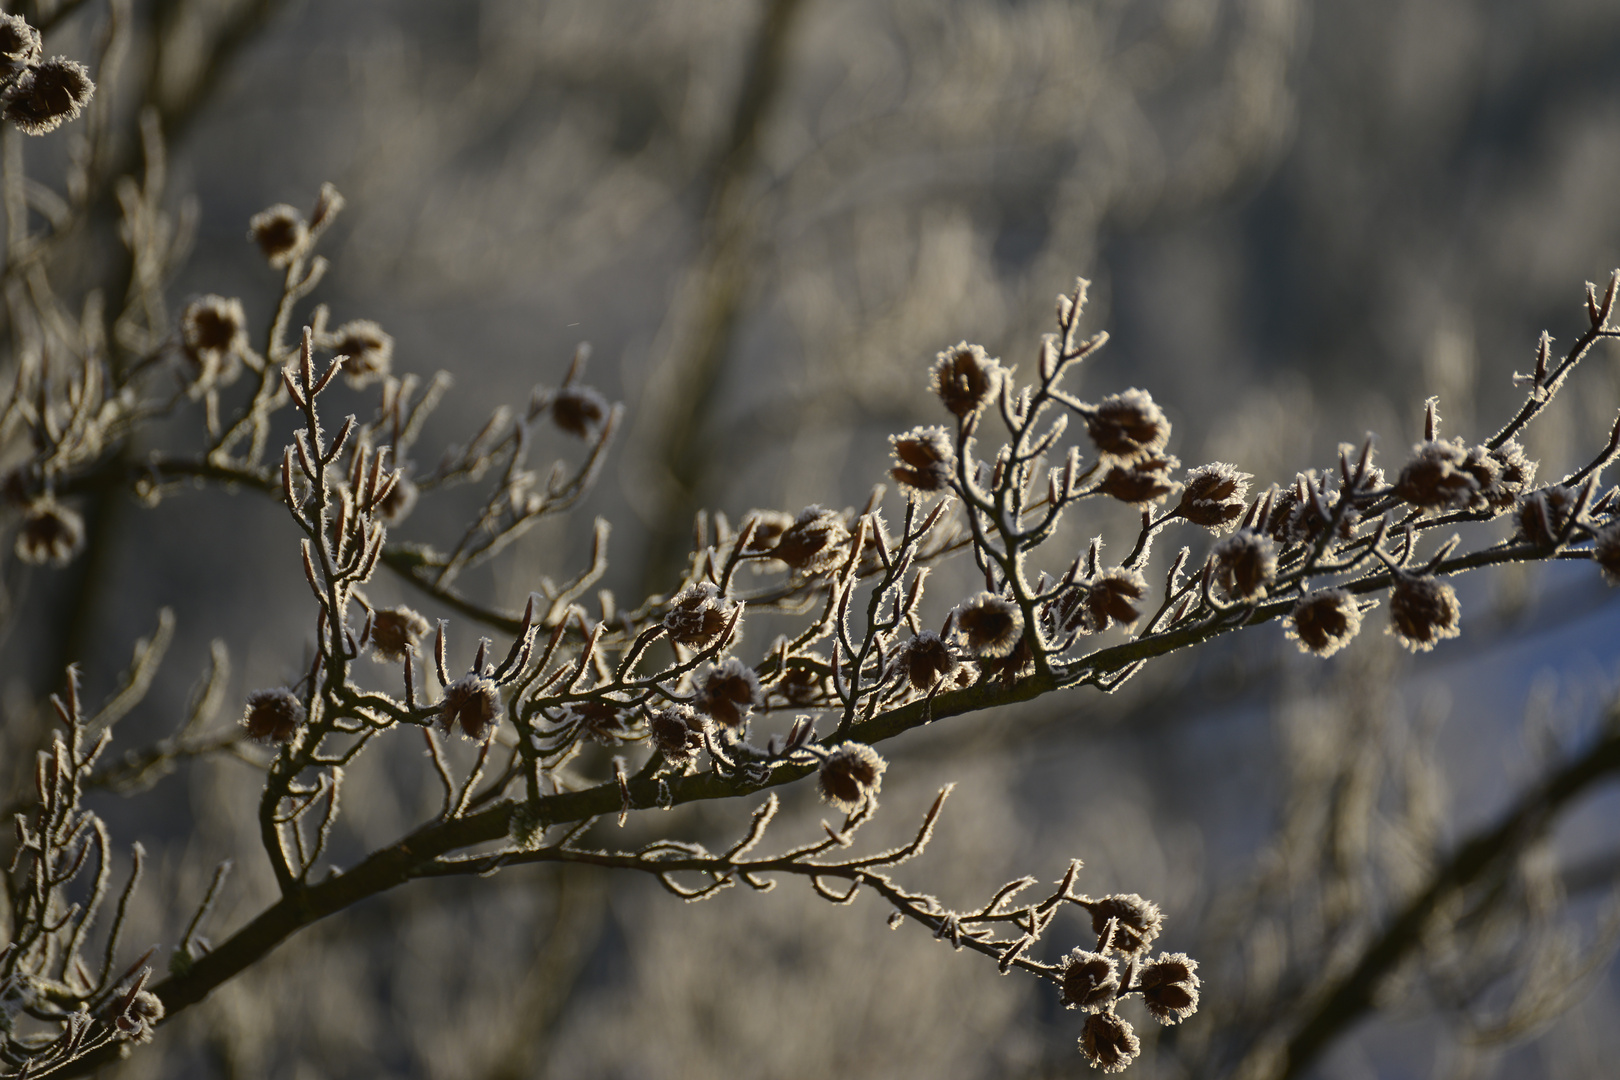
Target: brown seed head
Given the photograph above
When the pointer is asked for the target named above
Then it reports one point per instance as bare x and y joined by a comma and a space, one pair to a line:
581, 411
602, 722
473, 704
1422, 612
281, 233
48, 94
395, 632
850, 776
727, 692
677, 732
1141, 482
49, 533
804, 682
1544, 514
1127, 426
1215, 495
1606, 552
1324, 622
1136, 922
924, 660
1435, 477
397, 505
369, 348
966, 379
769, 525
213, 333
1089, 980
815, 543
1245, 564
990, 625
273, 716
1109, 1043
926, 460
19, 43
697, 615
1170, 987
1297, 520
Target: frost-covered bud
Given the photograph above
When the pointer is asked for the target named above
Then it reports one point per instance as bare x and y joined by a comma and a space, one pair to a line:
924, 660
1142, 481
395, 632
1128, 426
602, 722
281, 233
1606, 552
20, 44
1435, 478
1136, 922
273, 716
581, 411
1324, 622
1109, 1043
850, 776
1089, 980
1170, 987
677, 732
727, 692
966, 379
926, 459
991, 626
369, 348
213, 333
1422, 612
1543, 515
397, 505
1214, 496
47, 94
697, 615
1245, 565
49, 533
473, 704
814, 543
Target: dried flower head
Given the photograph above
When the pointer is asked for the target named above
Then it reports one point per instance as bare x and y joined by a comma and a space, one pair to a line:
1324, 622
213, 333
20, 43
49, 533
395, 632
727, 692
602, 722
369, 348
1544, 515
926, 460
1422, 612
1109, 1043
677, 732
1214, 495
966, 378
281, 233
273, 716
1128, 426
397, 505
769, 525
1092, 607
1136, 922
580, 410
1170, 987
1436, 479
815, 542
851, 776
48, 94
924, 660
697, 615
1503, 474
1245, 564
1606, 552
473, 704
1141, 482
990, 625
1090, 980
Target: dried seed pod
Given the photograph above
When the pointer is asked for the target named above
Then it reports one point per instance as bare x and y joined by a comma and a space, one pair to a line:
769, 525
20, 44
697, 615
1324, 622
1215, 495
473, 704
677, 732
1109, 1043
602, 722
1128, 426
1090, 980
1543, 515
1422, 612
49, 533
815, 543
395, 632
213, 333
1142, 481
281, 233
851, 776
990, 625
926, 460
727, 692
369, 348
804, 680
48, 94
1436, 479
1503, 474
1169, 986
1245, 565
1606, 552
966, 379
1136, 922
581, 411
137, 1019
397, 505
273, 716
1299, 520
924, 660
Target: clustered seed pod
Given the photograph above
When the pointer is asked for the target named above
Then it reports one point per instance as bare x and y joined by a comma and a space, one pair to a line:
281, 233
1136, 922
1503, 474
1423, 612
926, 460
1142, 481
273, 716
1296, 518
1436, 477
20, 44
1128, 426
1245, 565
1093, 606
580, 410
47, 94
924, 660
602, 722
815, 543
966, 379
213, 333
473, 704
1169, 986
369, 348
1324, 622
727, 692
395, 632
677, 732
1109, 1043
1089, 980
1543, 516
697, 615
851, 776
1606, 552
49, 533
990, 625
1214, 496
